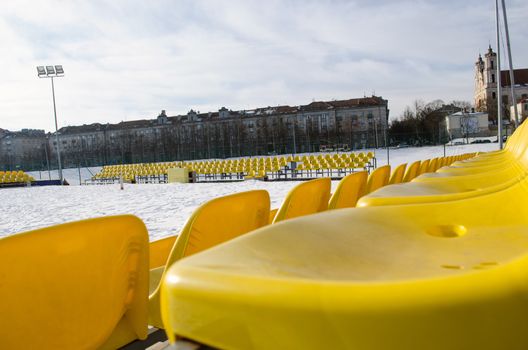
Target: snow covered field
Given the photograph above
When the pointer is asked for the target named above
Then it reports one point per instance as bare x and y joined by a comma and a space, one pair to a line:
163, 208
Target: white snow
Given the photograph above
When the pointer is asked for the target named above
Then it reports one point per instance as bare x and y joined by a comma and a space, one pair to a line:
165, 207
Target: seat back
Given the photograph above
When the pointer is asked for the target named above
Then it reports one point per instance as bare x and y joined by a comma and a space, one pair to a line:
397, 174
215, 222
515, 141
378, 178
81, 285
412, 171
424, 167
349, 190
306, 198
433, 164
220, 220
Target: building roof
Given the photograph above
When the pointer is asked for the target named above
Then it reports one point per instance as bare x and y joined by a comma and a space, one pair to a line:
78, 129
350, 103
354, 102
519, 75
276, 110
133, 124
28, 133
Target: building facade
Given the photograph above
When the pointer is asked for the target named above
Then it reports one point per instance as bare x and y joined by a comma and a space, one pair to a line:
467, 124
522, 109
25, 149
354, 123
486, 86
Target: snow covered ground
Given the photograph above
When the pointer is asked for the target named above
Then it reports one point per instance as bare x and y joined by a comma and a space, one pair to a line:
164, 208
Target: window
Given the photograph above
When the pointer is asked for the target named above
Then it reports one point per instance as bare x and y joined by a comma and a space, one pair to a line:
492, 65
526, 106
324, 121
493, 95
493, 78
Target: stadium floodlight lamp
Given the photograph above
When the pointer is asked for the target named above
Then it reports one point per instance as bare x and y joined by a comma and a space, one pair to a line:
41, 71
59, 70
50, 70
54, 72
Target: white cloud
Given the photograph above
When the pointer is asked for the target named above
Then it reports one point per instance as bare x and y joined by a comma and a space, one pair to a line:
130, 59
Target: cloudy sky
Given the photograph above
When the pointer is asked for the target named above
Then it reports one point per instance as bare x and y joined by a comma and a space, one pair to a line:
128, 59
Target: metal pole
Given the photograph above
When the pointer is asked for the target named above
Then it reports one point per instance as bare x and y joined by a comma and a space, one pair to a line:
294, 144
47, 158
56, 131
387, 146
376, 132
499, 84
512, 80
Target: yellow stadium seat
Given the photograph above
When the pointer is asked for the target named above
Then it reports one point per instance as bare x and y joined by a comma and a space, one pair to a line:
378, 178
424, 166
215, 222
448, 275
349, 190
309, 197
397, 174
433, 165
412, 171
81, 285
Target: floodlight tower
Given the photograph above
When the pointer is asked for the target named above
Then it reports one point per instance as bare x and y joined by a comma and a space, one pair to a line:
53, 72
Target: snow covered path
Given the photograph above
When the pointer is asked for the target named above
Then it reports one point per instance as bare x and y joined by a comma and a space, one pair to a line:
163, 208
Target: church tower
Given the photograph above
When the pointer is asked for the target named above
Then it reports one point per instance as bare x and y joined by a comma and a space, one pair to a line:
486, 86
486, 81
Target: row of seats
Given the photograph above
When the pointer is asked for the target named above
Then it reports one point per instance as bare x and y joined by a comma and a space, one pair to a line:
437, 262
314, 196
130, 171
15, 176
57, 300
255, 167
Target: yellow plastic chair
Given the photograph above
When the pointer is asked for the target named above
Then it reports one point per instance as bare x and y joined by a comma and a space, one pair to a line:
378, 178
349, 190
448, 275
412, 171
433, 165
424, 167
215, 222
309, 197
397, 174
81, 285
